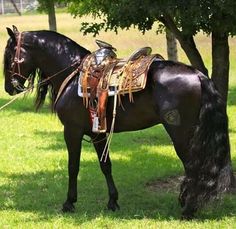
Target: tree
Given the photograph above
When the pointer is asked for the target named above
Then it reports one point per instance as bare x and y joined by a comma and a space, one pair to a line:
16, 8
48, 6
171, 43
184, 19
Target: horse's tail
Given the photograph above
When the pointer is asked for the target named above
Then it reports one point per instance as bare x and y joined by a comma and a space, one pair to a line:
209, 170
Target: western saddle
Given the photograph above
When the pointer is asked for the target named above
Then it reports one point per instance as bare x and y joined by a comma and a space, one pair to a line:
103, 75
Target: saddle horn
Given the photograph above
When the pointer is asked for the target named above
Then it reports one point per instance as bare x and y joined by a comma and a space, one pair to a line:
103, 44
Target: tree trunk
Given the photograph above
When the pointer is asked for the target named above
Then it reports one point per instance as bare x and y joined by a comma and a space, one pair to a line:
187, 43
52, 16
15, 6
220, 63
172, 51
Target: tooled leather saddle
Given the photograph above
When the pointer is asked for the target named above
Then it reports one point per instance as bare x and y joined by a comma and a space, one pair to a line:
103, 75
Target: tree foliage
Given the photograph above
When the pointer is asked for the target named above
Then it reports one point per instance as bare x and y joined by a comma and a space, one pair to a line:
183, 18
189, 16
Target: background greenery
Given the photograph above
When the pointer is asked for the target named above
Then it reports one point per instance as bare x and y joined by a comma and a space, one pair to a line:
33, 158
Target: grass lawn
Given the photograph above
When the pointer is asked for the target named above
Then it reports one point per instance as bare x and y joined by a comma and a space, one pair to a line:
33, 158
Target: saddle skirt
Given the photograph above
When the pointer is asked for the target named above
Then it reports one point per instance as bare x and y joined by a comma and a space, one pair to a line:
116, 75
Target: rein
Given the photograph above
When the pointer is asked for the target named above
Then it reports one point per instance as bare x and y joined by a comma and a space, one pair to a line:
38, 84
14, 98
57, 73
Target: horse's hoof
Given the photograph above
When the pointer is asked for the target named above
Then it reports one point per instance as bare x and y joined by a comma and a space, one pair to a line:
68, 207
113, 205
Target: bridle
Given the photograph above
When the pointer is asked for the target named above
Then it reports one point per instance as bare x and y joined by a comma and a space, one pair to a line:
16, 69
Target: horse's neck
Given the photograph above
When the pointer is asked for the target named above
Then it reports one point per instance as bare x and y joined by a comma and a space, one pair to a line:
55, 62
56, 72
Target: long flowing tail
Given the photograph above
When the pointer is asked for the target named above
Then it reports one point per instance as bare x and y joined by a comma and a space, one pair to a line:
209, 171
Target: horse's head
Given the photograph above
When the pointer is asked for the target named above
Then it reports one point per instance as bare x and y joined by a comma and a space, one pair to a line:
18, 63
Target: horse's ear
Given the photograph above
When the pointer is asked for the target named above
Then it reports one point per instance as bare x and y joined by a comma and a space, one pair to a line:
11, 34
15, 30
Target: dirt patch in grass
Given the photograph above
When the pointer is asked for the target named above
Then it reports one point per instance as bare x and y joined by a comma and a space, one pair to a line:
169, 184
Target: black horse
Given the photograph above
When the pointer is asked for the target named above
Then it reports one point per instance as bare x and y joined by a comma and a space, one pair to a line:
176, 95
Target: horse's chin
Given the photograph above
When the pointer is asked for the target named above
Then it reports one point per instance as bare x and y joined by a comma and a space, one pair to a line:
13, 92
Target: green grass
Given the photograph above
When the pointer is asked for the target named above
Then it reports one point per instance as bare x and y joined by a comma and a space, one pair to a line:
33, 158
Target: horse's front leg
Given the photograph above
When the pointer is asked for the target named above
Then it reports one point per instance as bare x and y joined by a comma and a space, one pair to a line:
106, 167
73, 138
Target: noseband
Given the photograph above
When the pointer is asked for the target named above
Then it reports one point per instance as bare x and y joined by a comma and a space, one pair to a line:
15, 67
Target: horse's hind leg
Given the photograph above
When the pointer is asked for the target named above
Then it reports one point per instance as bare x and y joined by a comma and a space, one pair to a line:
178, 108
106, 167
180, 137
73, 138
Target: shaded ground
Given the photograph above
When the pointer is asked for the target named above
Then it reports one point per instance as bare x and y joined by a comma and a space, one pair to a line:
170, 184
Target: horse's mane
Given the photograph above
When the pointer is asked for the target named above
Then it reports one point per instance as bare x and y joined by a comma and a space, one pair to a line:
42, 91
53, 38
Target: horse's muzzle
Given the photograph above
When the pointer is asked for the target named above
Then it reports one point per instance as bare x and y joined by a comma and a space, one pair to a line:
17, 86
